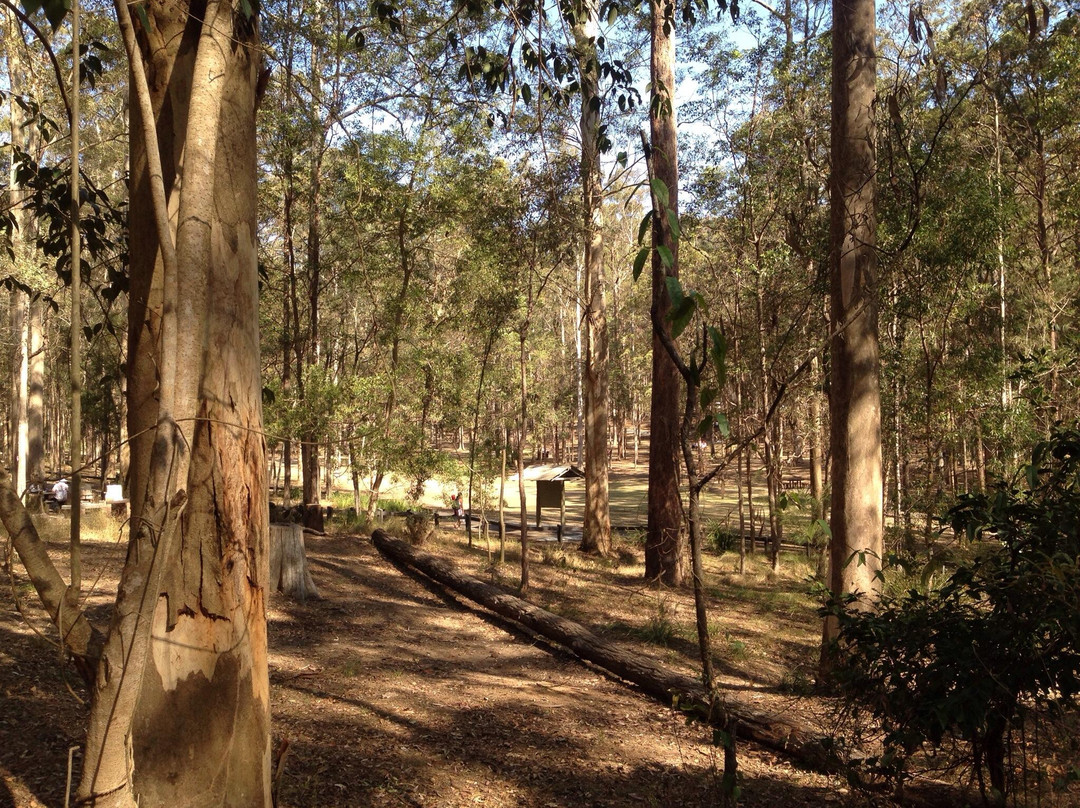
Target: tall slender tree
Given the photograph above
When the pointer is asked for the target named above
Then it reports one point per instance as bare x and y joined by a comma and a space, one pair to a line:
596, 534
854, 392
665, 543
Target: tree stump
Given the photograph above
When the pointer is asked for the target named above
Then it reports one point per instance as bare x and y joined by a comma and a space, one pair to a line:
289, 571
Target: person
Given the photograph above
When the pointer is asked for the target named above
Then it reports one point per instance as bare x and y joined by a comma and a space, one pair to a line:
60, 492
456, 502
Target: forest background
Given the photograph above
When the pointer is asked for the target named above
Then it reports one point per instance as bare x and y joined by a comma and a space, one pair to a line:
424, 281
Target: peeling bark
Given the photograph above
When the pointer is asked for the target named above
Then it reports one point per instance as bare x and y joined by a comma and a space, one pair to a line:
183, 675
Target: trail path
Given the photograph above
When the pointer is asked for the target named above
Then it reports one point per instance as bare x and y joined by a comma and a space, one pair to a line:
392, 696
389, 695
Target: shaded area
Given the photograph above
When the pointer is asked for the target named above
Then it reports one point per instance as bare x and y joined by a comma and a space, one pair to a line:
39, 719
441, 708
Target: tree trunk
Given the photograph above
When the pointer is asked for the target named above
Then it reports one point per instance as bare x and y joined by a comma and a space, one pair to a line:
768, 435
289, 572
502, 498
665, 541
596, 532
80, 639
855, 397
775, 731
35, 405
25, 135
817, 488
184, 668
523, 509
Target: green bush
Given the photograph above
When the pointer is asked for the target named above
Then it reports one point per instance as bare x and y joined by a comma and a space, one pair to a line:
721, 539
996, 646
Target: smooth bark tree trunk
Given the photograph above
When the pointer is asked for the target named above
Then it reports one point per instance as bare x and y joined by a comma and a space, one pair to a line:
817, 487
35, 404
855, 396
769, 441
665, 541
523, 586
180, 708
25, 135
596, 532
502, 497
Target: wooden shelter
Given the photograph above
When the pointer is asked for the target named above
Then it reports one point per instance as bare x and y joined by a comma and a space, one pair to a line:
550, 489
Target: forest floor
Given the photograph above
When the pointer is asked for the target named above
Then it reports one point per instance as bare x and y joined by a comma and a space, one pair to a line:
389, 692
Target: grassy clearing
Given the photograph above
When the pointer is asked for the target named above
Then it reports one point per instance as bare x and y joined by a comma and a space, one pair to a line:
764, 626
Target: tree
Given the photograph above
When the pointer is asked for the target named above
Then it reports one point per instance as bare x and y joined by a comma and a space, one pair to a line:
856, 546
596, 533
665, 542
184, 663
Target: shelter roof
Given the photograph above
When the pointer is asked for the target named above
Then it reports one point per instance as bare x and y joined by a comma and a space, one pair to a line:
553, 473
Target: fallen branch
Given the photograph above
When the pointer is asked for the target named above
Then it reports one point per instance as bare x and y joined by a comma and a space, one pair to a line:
80, 639
771, 730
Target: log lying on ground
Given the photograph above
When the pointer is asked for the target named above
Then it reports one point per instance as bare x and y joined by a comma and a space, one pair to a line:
771, 730
289, 572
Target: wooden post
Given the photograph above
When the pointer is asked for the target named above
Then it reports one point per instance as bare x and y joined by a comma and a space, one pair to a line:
562, 512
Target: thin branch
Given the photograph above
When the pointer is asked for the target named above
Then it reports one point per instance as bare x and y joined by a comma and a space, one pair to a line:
48, 51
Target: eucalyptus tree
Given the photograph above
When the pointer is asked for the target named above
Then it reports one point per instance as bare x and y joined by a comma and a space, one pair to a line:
25, 418
187, 640
1035, 89
665, 543
856, 546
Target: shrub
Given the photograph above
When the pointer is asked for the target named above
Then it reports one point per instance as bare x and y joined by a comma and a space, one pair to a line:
997, 644
721, 539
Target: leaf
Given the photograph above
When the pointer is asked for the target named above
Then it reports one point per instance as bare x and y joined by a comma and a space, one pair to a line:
673, 223
144, 18
639, 261
707, 396
680, 317
646, 220
55, 11
660, 190
723, 425
526, 93
621, 160
700, 302
718, 354
666, 256
674, 290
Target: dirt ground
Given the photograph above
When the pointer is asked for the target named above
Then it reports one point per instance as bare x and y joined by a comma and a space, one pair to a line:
388, 693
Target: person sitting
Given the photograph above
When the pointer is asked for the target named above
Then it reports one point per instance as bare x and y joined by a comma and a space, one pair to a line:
60, 493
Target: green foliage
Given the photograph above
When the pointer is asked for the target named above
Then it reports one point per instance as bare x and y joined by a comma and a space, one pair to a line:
998, 643
721, 539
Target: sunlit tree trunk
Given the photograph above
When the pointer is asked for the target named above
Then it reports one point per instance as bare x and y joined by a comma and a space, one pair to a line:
855, 397
596, 534
24, 135
180, 706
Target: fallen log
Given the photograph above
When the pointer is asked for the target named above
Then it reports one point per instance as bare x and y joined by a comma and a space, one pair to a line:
771, 730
